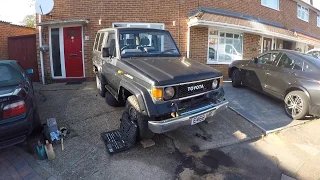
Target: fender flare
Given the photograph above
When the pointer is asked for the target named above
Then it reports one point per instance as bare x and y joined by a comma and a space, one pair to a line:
141, 93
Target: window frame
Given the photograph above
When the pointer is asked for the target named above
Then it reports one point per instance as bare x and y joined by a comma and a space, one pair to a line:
303, 8
318, 20
218, 36
265, 5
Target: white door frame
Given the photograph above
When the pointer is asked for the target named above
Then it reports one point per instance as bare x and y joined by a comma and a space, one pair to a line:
273, 41
62, 58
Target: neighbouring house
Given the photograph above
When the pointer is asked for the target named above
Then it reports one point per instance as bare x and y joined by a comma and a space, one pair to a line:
10, 30
214, 32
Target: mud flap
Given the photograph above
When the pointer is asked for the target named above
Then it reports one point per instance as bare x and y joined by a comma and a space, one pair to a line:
123, 138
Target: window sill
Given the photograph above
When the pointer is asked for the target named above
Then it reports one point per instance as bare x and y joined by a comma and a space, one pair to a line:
278, 9
218, 63
307, 21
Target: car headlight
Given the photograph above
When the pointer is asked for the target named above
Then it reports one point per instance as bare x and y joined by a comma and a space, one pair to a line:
215, 83
168, 93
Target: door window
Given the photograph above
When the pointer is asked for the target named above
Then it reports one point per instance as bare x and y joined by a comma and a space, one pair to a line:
55, 52
267, 58
100, 42
96, 42
307, 67
289, 63
111, 44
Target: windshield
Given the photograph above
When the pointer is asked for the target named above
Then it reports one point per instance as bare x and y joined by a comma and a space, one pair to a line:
311, 58
147, 43
9, 75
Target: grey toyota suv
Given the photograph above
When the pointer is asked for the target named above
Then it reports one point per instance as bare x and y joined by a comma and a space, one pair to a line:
162, 90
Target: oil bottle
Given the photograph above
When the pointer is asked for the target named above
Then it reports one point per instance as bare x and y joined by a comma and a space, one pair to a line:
41, 151
49, 150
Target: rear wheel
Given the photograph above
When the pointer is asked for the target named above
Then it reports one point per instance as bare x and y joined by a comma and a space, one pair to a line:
133, 110
100, 85
236, 78
296, 104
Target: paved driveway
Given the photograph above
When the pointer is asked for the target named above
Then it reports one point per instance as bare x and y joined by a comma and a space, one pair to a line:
264, 111
86, 115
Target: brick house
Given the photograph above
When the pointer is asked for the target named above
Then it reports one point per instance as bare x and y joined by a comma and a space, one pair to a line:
214, 32
9, 30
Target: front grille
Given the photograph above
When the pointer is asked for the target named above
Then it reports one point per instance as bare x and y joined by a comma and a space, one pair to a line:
193, 88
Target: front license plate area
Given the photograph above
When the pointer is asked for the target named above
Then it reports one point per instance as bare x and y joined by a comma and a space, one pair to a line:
198, 119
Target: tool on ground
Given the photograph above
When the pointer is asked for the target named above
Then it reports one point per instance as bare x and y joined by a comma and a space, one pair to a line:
62, 145
122, 139
49, 150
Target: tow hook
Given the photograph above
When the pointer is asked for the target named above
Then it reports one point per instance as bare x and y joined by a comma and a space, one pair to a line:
175, 109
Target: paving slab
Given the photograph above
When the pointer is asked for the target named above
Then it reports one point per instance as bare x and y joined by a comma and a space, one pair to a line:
264, 111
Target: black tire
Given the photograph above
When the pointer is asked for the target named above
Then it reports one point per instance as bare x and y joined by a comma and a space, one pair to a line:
111, 101
296, 105
133, 110
236, 78
37, 125
100, 86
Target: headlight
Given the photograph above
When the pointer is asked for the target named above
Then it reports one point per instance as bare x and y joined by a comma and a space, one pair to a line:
215, 84
168, 93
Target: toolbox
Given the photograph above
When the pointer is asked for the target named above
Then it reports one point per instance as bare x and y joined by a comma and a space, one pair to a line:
123, 138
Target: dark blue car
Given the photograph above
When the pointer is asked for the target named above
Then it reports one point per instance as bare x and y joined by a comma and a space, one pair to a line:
18, 108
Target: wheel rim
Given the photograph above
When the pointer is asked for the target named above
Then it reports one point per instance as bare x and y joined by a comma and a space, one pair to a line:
132, 114
98, 83
293, 105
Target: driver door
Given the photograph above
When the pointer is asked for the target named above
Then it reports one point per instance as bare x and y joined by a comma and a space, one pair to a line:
257, 72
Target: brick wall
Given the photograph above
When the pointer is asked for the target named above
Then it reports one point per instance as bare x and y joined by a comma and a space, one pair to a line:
167, 11
9, 30
251, 45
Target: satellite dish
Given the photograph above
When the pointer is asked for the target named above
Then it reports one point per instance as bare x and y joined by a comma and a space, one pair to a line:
44, 6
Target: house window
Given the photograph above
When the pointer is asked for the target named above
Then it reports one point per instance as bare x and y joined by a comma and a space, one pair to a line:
303, 13
55, 51
224, 47
318, 20
274, 4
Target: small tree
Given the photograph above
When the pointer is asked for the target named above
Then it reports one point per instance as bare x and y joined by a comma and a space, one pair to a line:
29, 21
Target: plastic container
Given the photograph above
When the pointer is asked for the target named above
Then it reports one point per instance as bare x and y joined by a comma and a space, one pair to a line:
49, 150
41, 151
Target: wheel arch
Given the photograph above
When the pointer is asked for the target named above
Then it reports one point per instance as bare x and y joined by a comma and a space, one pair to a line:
297, 88
231, 70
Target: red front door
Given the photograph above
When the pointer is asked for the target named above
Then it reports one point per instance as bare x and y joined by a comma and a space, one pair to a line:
73, 51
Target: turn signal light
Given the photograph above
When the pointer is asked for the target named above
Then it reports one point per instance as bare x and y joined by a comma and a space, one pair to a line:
221, 81
157, 93
14, 109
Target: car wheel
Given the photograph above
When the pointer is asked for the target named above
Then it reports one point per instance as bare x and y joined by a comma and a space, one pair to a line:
296, 104
133, 110
236, 78
100, 86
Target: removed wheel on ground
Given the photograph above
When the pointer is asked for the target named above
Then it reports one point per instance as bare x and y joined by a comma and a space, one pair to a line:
133, 109
296, 104
236, 78
111, 101
100, 86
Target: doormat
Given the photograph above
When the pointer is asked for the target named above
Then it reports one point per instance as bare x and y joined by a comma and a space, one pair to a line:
74, 82
123, 138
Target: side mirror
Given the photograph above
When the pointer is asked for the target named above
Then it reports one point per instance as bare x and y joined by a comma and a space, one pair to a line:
255, 60
105, 52
29, 71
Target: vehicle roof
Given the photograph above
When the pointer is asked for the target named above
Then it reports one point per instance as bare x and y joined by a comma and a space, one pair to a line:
129, 29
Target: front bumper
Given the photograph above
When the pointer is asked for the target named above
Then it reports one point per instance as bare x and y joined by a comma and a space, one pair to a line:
186, 118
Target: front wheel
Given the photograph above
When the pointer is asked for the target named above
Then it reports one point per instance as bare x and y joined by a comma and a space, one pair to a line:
133, 110
236, 78
100, 86
296, 104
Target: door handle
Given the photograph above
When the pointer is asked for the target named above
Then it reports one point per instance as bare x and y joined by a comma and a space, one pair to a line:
73, 54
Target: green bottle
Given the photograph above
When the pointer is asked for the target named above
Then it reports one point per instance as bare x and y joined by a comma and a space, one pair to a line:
41, 151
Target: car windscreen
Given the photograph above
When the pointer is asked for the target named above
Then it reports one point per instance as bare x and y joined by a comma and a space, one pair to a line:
147, 43
9, 75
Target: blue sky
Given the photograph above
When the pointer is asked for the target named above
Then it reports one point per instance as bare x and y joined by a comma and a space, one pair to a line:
15, 10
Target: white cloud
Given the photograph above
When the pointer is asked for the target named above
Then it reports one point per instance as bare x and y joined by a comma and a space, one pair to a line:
15, 10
